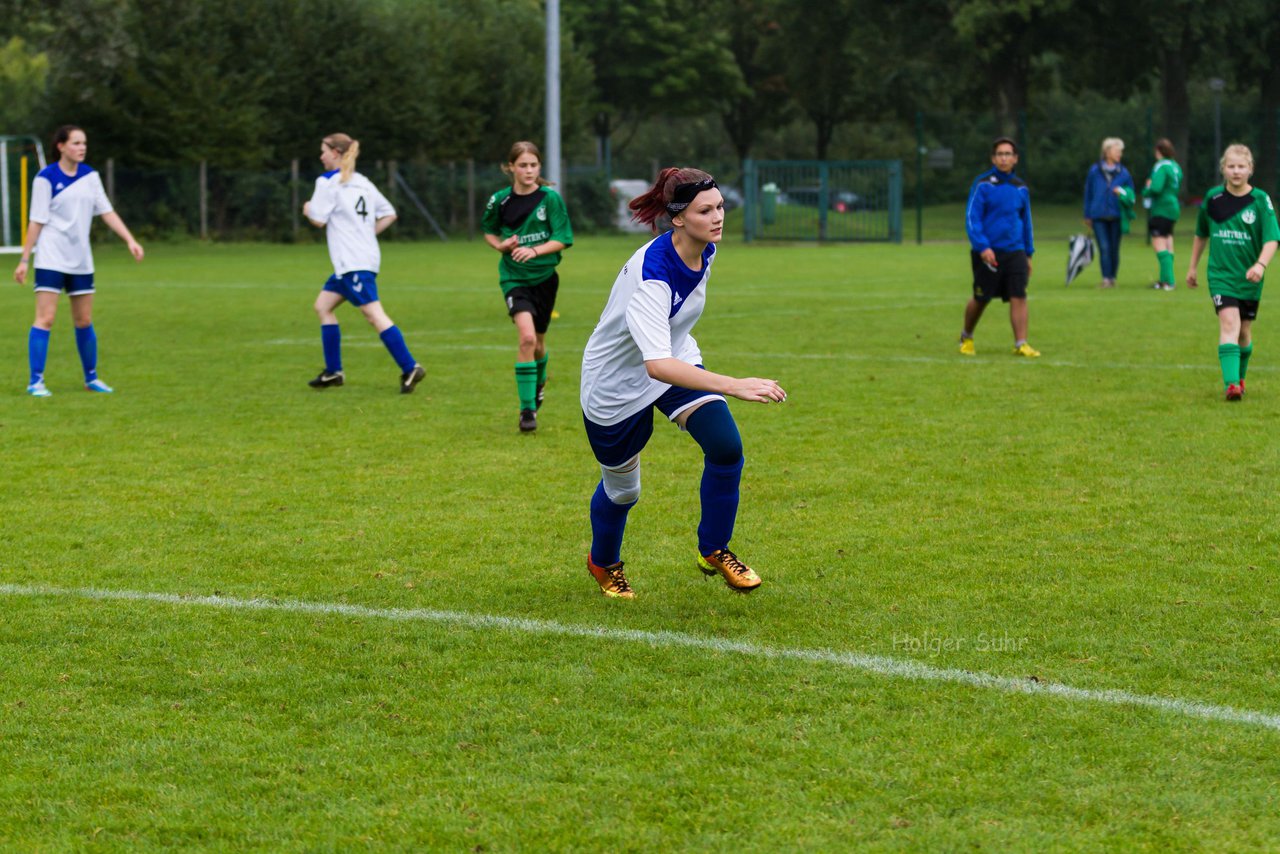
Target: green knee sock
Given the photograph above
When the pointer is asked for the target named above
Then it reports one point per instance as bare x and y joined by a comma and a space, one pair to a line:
527, 383
1229, 357
1245, 353
542, 369
1166, 266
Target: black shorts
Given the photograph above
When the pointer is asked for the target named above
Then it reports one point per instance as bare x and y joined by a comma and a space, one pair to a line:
1160, 226
1007, 281
1248, 307
539, 300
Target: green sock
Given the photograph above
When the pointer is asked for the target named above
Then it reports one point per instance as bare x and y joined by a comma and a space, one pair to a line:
1166, 266
527, 383
1229, 356
542, 369
1245, 353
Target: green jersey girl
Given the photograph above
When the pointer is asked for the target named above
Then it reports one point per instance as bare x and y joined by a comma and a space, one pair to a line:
1238, 224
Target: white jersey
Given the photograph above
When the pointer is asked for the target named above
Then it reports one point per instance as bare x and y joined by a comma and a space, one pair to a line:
654, 304
65, 206
350, 213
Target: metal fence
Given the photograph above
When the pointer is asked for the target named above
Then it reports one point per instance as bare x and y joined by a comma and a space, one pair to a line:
824, 200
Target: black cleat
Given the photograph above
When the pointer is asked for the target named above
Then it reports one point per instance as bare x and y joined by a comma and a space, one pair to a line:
328, 380
411, 378
538, 398
528, 420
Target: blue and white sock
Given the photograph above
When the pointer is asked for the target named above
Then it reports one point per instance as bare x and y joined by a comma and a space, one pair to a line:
87, 344
399, 351
608, 521
331, 340
37, 353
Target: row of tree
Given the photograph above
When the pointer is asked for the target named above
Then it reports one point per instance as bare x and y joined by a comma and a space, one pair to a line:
245, 83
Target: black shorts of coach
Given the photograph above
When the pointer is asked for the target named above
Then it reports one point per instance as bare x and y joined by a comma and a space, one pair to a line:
1007, 280
539, 300
1160, 226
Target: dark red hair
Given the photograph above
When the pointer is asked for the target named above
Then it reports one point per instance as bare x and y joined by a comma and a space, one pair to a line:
649, 208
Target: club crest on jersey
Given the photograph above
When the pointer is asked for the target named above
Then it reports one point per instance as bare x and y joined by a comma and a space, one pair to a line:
542, 213
1249, 217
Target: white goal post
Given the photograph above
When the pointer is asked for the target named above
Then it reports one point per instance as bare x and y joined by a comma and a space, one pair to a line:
21, 157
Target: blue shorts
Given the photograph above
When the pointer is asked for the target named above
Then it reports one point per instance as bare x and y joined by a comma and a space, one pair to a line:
617, 443
359, 287
55, 282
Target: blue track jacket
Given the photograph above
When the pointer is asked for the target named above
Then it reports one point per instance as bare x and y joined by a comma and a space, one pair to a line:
998, 215
1100, 200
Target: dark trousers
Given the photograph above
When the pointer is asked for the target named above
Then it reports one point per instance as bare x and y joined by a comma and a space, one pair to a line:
1107, 233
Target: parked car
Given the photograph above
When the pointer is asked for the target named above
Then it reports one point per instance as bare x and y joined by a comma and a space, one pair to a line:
841, 201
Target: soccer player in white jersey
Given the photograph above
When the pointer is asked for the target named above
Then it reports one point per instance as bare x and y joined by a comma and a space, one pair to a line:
353, 213
65, 197
640, 356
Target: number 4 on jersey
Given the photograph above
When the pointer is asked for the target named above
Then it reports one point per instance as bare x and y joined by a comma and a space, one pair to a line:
362, 208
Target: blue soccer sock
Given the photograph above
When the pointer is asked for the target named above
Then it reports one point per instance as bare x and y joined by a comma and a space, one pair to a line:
399, 351
37, 352
713, 428
719, 494
87, 344
608, 521
331, 341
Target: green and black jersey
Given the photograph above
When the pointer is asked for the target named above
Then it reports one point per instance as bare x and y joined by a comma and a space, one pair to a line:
1236, 228
535, 218
1166, 181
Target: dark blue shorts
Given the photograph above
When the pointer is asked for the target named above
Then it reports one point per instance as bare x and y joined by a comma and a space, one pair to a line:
74, 284
359, 287
617, 443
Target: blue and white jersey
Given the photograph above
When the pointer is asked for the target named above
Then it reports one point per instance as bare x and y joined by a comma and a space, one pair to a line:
654, 304
65, 205
349, 213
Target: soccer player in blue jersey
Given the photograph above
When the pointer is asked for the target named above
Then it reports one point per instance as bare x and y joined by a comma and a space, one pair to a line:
353, 213
998, 221
640, 356
65, 197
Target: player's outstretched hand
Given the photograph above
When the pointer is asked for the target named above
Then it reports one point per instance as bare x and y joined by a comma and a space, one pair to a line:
135, 249
758, 390
1191, 278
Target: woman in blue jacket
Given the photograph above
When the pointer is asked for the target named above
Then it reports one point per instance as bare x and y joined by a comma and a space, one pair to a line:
1104, 187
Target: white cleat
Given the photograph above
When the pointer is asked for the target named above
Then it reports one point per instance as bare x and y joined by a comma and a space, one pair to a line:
37, 389
98, 386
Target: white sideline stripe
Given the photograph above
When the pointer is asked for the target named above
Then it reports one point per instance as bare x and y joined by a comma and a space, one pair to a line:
966, 361
879, 665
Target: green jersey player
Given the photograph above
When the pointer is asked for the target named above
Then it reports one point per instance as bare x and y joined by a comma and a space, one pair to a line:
1161, 197
1238, 224
527, 222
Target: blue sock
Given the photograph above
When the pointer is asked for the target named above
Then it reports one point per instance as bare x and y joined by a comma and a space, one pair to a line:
37, 352
87, 344
397, 348
719, 493
608, 520
713, 428
331, 340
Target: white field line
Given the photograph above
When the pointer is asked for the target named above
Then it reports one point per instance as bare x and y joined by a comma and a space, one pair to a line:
998, 353
879, 665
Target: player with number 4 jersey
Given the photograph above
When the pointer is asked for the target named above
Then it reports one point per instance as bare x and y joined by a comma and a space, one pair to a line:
353, 213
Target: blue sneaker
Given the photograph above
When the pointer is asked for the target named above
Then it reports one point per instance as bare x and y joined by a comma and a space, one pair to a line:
37, 389
98, 386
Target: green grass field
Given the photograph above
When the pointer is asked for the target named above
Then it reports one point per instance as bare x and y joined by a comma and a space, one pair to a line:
1008, 604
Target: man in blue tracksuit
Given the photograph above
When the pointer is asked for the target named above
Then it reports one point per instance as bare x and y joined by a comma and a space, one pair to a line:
998, 220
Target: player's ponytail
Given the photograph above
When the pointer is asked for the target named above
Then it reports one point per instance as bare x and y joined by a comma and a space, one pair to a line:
349, 149
653, 206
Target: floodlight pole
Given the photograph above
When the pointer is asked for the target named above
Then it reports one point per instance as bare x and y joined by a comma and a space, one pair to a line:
551, 166
1216, 85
